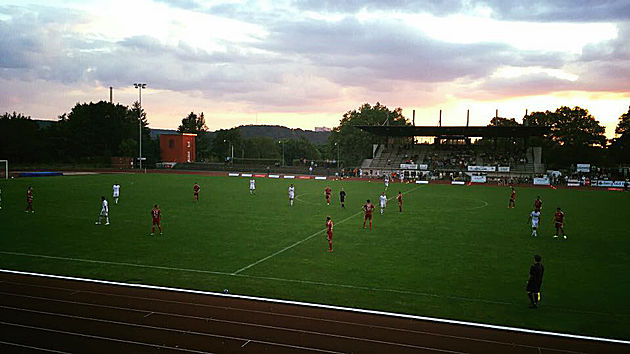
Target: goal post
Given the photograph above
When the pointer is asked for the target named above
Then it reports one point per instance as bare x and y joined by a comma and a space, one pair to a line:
4, 169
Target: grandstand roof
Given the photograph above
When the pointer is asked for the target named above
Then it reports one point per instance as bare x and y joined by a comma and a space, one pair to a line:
478, 131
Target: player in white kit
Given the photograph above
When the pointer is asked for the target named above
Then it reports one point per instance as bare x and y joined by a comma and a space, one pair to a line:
116, 192
383, 202
386, 182
534, 217
104, 212
291, 194
252, 186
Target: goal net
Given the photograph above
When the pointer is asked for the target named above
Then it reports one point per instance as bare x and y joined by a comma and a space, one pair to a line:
4, 169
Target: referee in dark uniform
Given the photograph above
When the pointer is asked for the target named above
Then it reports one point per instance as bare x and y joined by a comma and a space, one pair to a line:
535, 281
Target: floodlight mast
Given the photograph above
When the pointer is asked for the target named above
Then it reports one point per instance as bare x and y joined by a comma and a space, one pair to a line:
139, 86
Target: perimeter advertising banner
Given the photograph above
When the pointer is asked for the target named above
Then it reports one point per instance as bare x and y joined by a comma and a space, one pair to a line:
482, 168
504, 168
584, 167
478, 179
543, 181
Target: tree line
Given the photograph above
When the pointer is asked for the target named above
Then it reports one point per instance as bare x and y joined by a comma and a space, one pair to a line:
92, 133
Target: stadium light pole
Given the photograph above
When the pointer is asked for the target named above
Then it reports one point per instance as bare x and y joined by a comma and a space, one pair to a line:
337, 145
231, 148
140, 86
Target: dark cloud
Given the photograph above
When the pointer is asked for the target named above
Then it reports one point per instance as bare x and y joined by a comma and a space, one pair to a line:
391, 50
517, 10
560, 10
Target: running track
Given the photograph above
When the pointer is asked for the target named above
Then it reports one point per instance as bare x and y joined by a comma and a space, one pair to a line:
43, 314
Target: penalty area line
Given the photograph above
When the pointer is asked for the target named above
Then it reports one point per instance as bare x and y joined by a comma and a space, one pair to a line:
304, 240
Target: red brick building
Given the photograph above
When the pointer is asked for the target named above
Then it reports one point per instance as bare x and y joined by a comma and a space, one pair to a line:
177, 147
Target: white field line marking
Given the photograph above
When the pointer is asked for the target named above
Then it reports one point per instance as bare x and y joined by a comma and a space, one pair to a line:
299, 281
166, 329
297, 197
511, 343
304, 240
322, 306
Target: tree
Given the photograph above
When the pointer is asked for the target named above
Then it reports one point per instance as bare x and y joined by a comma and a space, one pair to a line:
224, 141
355, 144
575, 135
20, 138
297, 149
620, 147
197, 125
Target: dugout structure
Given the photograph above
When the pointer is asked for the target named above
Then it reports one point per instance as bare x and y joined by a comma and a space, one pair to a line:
494, 151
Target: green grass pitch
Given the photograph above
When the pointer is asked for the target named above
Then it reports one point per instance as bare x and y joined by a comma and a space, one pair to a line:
455, 252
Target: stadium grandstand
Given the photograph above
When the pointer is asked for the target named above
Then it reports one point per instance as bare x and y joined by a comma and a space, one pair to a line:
457, 152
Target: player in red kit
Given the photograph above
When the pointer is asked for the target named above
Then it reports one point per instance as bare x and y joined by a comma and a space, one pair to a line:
538, 204
327, 192
29, 200
512, 202
329, 232
400, 202
196, 190
156, 214
559, 223
368, 208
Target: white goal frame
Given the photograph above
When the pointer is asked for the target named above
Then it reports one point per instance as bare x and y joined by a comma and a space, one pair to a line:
6, 168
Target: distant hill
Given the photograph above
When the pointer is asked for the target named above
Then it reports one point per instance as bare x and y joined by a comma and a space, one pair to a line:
270, 131
280, 132
247, 131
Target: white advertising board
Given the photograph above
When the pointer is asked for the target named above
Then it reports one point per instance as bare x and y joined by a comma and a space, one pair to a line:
504, 168
584, 167
544, 181
478, 179
482, 168
409, 166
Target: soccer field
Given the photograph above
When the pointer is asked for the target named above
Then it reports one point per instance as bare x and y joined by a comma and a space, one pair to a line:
455, 252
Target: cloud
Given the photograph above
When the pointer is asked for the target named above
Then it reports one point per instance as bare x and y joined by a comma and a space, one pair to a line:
560, 10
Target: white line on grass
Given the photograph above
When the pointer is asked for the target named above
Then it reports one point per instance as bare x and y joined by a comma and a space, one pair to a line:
303, 240
299, 281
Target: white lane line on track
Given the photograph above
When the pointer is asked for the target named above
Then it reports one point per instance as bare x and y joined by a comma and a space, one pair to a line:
203, 334
306, 239
358, 324
323, 306
32, 347
98, 337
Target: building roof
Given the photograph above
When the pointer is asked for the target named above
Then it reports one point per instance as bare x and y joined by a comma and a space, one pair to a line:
455, 131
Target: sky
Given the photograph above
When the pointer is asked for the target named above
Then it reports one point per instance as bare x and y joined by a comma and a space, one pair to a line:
303, 63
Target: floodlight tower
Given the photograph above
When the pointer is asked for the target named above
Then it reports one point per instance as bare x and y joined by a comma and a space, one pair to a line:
140, 86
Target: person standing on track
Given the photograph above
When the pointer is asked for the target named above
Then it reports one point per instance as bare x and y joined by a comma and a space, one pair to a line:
534, 283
